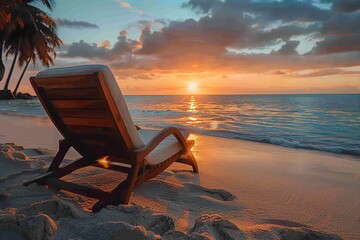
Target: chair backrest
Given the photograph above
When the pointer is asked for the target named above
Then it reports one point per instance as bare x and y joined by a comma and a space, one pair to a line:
87, 107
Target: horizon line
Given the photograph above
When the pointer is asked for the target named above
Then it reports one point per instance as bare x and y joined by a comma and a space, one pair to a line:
240, 94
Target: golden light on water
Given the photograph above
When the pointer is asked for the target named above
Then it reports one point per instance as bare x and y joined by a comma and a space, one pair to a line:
192, 86
192, 105
104, 162
193, 110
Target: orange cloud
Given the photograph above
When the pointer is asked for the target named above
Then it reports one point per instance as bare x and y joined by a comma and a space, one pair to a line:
123, 4
128, 5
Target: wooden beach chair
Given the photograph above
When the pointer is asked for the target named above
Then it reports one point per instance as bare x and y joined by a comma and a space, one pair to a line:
87, 107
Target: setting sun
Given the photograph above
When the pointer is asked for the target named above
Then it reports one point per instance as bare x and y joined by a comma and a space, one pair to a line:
192, 87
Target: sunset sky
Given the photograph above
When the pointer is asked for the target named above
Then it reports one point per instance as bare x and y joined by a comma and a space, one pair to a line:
213, 46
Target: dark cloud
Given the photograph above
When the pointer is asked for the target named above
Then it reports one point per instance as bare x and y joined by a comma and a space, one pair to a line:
289, 48
85, 50
102, 50
203, 6
341, 24
337, 44
63, 22
287, 10
225, 32
328, 72
281, 33
279, 72
344, 5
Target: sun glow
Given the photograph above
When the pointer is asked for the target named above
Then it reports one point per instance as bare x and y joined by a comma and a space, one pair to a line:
192, 87
104, 162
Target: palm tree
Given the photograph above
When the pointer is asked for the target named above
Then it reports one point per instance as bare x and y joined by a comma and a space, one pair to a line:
21, 77
6, 7
29, 34
39, 38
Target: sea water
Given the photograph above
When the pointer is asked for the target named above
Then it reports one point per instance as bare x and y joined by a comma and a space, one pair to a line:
313, 121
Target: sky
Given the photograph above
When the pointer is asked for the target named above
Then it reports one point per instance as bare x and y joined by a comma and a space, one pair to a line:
213, 46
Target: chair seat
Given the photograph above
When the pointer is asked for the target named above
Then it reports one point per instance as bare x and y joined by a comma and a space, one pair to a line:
166, 149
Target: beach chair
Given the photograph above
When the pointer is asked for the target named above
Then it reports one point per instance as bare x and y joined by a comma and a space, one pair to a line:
87, 107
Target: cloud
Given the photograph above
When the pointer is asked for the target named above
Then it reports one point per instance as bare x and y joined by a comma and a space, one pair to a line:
105, 44
278, 72
244, 36
287, 10
328, 72
344, 5
85, 50
289, 48
63, 22
124, 4
101, 50
338, 44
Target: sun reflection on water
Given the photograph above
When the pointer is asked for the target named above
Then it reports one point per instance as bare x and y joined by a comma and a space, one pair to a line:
193, 110
192, 105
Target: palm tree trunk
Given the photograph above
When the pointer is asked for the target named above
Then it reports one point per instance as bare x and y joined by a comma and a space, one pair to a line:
2, 66
21, 77
12, 66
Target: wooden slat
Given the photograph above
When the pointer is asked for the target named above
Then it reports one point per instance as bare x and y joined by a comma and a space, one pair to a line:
67, 93
99, 148
84, 130
84, 113
96, 144
89, 122
92, 136
112, 166
75, 81
78, 104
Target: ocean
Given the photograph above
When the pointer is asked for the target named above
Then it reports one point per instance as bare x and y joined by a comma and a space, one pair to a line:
323, 122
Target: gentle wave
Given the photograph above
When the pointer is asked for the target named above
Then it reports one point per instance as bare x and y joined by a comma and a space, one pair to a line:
329, 123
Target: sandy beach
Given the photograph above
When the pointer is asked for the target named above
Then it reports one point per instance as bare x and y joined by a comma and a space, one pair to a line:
191, 120
245, 190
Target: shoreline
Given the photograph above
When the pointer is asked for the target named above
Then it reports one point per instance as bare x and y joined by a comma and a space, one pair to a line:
272, 185
44, 119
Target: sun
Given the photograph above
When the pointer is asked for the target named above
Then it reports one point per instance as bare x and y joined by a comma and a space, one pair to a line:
192, 86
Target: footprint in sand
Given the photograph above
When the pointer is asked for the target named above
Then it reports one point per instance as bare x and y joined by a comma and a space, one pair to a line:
188, 176
219, 194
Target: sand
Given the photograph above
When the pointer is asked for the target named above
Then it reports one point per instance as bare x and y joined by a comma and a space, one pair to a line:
244, 190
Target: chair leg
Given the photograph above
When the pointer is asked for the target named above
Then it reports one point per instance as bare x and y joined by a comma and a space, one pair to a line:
112, 200
189, 160
64, 147
59, 172
191, 157
122, 193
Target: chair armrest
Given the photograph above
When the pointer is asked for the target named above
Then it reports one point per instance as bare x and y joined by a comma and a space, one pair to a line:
142, 152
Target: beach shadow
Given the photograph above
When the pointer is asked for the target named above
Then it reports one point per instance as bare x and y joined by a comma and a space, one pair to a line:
282, 222
186, 176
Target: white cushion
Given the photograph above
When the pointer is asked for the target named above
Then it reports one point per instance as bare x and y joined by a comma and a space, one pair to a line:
114, 90
166, 149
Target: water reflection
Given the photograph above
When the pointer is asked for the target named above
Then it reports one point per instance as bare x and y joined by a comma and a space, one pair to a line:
193, 110
192, 105
322, 122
